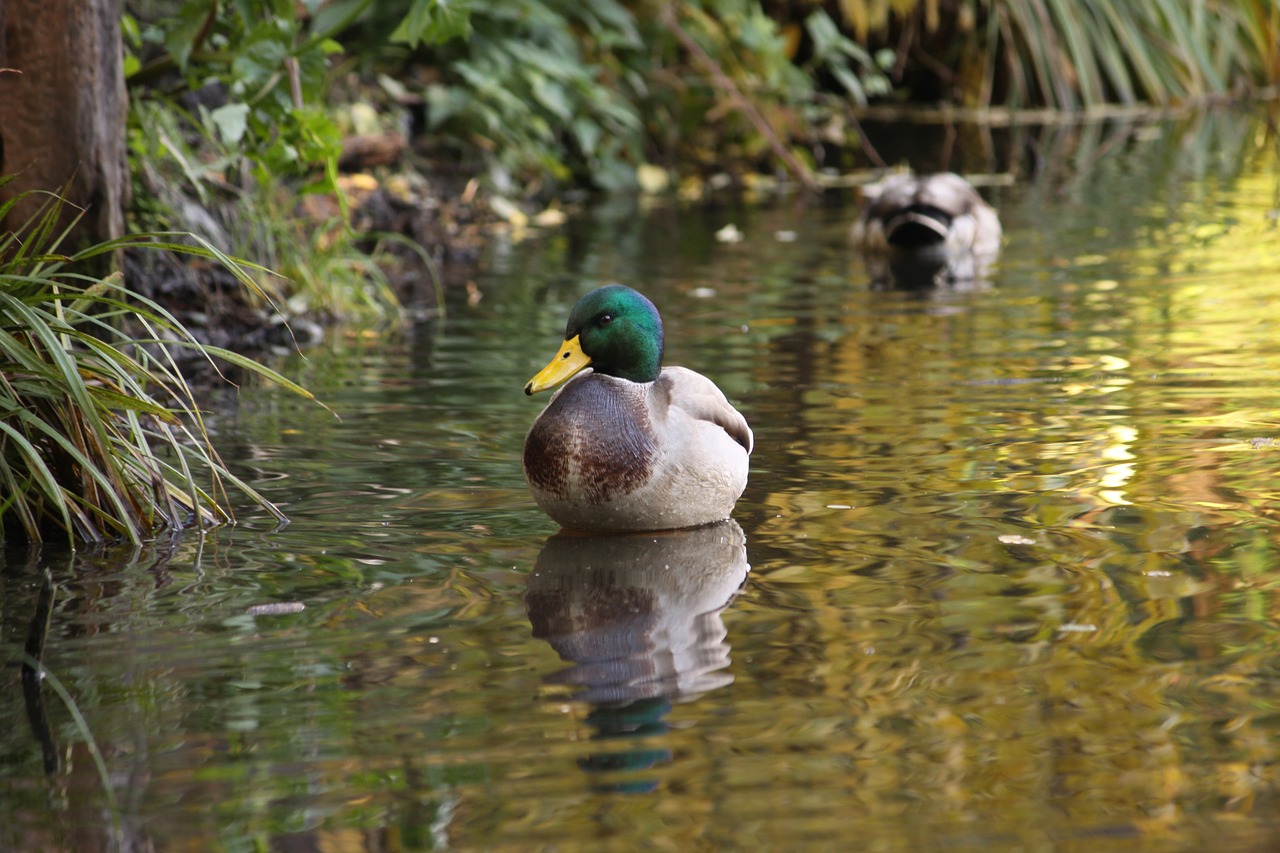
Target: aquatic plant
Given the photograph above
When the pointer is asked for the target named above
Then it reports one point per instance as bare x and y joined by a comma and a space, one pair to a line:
101, 437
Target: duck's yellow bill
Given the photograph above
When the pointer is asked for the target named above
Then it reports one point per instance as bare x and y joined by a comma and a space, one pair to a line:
567, 362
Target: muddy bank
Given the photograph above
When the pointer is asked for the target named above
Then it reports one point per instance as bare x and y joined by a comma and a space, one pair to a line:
424, 233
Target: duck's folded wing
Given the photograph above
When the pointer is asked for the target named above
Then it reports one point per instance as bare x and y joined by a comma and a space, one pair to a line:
699, 398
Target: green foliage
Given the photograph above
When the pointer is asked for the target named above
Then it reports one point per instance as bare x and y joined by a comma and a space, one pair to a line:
318, 267
741, 56
270, 63
557, 91
434, 22
231, 171
526, 89
100, 435
836, 54
553, 92
229, 124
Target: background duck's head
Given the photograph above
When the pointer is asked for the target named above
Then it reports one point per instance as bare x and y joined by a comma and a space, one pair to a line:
613, 329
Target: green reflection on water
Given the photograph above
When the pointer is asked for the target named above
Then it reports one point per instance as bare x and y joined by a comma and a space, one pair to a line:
1013, 560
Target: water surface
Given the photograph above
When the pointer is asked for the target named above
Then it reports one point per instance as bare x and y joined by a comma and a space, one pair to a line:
1004, 577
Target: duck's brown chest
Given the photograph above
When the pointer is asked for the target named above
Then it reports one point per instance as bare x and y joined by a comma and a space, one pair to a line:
594, 442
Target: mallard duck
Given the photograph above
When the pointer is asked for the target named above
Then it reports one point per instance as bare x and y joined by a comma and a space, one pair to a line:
630, 444
927, 225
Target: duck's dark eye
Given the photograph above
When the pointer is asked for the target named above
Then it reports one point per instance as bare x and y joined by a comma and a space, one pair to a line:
605, 319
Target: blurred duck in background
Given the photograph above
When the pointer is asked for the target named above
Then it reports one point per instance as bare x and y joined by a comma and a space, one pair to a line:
925, 230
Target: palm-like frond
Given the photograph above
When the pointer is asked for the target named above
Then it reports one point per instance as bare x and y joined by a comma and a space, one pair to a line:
1073, 54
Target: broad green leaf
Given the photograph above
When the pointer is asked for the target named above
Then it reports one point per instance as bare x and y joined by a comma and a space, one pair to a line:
231, 121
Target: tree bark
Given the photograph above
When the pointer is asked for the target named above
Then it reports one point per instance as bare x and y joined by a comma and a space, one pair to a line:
63, 109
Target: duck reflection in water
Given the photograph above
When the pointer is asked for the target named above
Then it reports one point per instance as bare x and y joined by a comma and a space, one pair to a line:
638, 617
919, 231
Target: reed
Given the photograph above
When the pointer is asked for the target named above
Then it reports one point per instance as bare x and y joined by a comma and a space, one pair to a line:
1074, 54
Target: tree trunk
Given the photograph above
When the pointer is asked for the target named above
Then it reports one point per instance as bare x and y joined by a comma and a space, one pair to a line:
63, 111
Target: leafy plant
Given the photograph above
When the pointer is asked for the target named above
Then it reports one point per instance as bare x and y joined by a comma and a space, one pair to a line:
182, 174
230, 137
555, 91
529, 87
100, 434
261, 70
434, 22
844, 59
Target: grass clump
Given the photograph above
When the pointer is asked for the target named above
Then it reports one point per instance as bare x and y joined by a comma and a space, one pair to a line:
101, 438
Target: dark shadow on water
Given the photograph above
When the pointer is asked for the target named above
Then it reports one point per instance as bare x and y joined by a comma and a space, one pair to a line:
638, 618
927, 271
27, 594
32, 676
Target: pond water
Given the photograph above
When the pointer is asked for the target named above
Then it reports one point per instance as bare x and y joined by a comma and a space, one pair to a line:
1004, 578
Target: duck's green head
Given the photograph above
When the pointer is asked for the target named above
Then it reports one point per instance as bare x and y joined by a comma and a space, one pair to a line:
613, 329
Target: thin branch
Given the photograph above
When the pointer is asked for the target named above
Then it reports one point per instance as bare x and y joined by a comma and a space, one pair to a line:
870, 149
295, 81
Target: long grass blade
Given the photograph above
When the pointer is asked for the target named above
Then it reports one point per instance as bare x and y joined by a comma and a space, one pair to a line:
91, 743
264, 371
